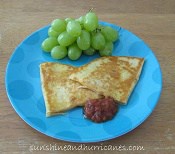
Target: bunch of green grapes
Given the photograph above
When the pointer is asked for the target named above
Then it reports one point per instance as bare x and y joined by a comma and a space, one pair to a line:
72, 37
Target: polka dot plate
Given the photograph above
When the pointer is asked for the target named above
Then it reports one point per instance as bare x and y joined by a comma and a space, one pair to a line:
24, 90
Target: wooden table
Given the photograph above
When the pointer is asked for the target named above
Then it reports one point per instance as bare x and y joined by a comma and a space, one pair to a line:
153, 21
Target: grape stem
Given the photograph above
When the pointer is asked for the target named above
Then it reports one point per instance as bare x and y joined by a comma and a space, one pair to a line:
91, 9
97, 30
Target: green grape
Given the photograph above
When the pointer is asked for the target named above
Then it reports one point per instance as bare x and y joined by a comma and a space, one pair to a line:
97, 41
74, 52
73, 28
109, 45
83, 41
59, 52
81, 21
105, 52
100, 27
90, 21
49, 43
52, 33
59, 25
89, 51
109, 33
68, 19
65, 39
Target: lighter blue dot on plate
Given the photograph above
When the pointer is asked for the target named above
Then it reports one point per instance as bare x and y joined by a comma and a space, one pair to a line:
118, 125
156, 76
18, 56
69, 135
139, 49
37, 122
41, 105
152, 99
33, 39
33, 68
20, 89
76, 117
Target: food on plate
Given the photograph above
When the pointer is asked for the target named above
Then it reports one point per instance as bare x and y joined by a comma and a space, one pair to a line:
98, 86
60, 93
73, 28
89, 51
58, 25
65, 40
100, 110
98, 41
90, 21
85, 33
110, 76
84, 40
109, 33
59, 52
49, 43
74, 52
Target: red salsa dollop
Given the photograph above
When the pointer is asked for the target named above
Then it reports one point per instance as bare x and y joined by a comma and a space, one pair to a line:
100, 110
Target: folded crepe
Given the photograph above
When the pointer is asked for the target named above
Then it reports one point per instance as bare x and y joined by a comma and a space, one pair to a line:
110, 76
60, 93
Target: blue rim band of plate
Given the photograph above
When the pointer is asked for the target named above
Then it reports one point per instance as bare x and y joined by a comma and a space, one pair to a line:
24, 91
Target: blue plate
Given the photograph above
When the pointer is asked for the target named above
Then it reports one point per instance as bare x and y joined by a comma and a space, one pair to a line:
24, 91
